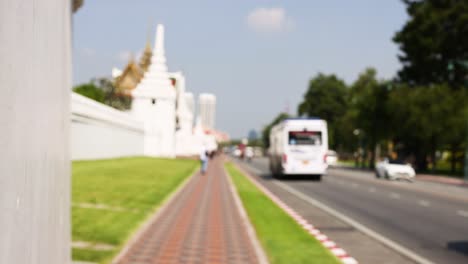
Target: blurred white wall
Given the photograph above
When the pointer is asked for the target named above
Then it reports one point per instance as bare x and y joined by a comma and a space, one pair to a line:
35, 83
99, 131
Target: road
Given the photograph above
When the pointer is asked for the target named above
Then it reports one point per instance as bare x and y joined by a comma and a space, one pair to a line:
429, 219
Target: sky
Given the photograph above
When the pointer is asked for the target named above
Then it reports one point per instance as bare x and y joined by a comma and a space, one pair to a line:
256, 56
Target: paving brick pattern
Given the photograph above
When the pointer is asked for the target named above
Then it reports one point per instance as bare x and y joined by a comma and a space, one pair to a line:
201, 225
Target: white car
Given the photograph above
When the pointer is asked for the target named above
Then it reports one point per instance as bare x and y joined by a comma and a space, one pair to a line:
249, 153
331, 158
394, 170
237, 152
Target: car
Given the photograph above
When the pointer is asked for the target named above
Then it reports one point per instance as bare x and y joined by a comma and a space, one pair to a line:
249, 153
237, 153
394, 170
332, 157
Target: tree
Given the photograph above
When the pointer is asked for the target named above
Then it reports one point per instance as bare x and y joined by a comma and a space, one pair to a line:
112, 97
434, 43
266, 130
325, 98
368, 103
91, 91
455, 124
104, 91
427, 119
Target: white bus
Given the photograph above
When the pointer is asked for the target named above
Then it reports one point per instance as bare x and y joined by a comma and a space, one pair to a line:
298, 146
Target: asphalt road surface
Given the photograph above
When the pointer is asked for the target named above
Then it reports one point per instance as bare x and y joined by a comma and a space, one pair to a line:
428, 219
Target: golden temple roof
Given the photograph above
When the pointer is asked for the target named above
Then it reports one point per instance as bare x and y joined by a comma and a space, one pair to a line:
133, 72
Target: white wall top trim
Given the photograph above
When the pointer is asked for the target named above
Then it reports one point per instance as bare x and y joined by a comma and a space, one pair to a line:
82, 107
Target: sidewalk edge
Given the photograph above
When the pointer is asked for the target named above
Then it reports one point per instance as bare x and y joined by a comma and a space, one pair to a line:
155, 215
261, 256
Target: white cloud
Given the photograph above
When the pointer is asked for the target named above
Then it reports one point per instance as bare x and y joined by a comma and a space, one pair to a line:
269, 20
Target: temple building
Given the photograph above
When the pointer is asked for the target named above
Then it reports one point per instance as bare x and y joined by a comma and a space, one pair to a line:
160, 100
127, 80
154, 103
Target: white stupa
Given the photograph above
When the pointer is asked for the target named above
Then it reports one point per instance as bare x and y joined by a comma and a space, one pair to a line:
154, 103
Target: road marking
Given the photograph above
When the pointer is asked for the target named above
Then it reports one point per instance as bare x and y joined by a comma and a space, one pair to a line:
372, 190
255, 170
389, 243
424, 203
395, 195
344, 173
462, 213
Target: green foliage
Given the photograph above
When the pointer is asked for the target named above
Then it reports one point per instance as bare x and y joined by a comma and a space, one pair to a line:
428, 119
104, 91
325, 98
91, 91
368, 101
426, 111
127, 190
282, 238
112, 97
419, 119
266, 130
434, 42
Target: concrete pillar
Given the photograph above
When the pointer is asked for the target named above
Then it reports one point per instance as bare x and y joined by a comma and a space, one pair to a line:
35, 84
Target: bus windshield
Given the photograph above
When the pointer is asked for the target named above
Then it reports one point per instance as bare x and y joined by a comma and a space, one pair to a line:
312, 138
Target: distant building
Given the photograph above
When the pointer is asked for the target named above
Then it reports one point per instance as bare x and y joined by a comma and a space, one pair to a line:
207, 110
253, 135
189, 98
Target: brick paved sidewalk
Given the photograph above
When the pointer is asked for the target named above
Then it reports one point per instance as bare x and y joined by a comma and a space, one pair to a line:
200, 225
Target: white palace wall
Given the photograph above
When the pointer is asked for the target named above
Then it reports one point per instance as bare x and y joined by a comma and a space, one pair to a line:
99, 131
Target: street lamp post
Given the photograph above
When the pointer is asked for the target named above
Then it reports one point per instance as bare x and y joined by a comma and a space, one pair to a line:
358, 157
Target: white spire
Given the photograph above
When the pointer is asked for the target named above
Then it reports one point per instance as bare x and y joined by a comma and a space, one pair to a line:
156, 82
159, 46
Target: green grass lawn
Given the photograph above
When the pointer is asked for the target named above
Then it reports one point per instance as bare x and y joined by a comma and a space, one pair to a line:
127, 191
283, 240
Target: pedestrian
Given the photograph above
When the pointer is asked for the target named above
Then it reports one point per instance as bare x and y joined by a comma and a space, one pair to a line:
203, 160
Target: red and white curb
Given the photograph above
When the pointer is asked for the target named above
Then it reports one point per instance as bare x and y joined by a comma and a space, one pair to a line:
326, 242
